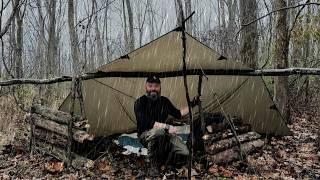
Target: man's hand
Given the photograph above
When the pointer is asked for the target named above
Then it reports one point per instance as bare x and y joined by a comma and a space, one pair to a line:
158, 125
172, 130
196, 100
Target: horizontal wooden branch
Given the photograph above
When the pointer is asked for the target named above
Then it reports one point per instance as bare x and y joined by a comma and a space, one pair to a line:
238, 72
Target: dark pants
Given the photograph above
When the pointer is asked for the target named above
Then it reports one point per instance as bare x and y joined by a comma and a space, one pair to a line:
164, 148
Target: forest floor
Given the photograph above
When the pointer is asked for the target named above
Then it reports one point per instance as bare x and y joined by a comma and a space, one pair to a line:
289, 157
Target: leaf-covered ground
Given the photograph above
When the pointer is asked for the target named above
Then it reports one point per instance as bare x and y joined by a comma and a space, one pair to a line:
290, 157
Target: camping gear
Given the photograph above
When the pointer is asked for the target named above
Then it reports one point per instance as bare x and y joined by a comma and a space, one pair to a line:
109, 101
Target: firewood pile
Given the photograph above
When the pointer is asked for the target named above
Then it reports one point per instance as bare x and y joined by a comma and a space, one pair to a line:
222, 146
54, 132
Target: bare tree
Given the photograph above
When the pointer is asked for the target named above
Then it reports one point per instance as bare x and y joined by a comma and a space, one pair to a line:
188, 12
73, 38
98, 38
131, 30
178, 6
249, 35
52, 41
281, 59
19, 43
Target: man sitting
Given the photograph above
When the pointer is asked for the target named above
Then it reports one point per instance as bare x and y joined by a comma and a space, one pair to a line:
151, 112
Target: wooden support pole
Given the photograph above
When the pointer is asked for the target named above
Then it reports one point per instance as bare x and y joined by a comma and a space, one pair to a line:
200, 104
70, 123
185, 82
32, 134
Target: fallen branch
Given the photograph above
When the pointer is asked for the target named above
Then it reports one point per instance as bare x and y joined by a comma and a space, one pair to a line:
238, 72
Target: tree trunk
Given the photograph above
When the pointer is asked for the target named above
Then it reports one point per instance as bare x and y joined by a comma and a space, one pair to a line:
188, 12
131, 30
126, 40
40, 42
178, 6
281, 59
52, 43
98, 38
249, 35
307, 54
73, 39
231, 47
19, 45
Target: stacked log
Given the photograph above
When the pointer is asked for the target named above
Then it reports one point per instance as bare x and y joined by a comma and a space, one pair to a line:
223, 146
50, 133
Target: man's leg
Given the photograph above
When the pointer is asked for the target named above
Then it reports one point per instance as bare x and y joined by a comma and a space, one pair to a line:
156, 141
179, 150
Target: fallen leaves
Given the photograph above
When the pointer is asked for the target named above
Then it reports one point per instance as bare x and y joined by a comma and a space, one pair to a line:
220, 171
54, 167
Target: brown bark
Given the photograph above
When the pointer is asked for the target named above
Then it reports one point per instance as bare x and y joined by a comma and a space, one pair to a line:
281, 59
232, 154
231, 142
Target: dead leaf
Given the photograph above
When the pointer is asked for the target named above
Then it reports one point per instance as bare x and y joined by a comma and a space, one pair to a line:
54, 167
224, 172
214, 170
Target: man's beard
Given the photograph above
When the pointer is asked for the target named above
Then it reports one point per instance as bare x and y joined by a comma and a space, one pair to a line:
153, 95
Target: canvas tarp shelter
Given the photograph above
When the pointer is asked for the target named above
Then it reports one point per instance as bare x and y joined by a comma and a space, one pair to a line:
109, 101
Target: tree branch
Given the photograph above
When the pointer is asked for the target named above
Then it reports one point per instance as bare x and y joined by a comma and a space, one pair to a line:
272, 12
9, 21
264, 72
